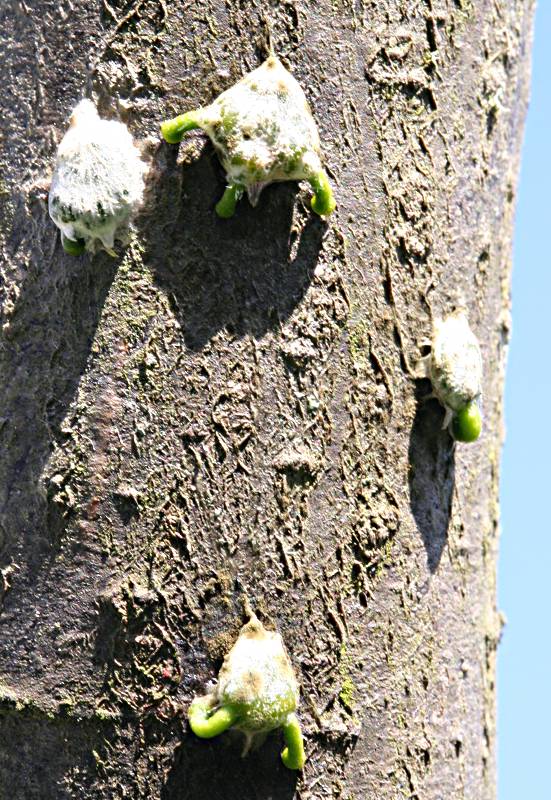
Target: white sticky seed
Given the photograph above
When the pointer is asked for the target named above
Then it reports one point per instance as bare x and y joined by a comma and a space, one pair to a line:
257, 673
454, 364
98, 181
263, 129
258, 681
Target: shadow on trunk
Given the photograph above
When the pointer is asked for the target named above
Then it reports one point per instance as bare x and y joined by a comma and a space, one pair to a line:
45, 348
214, 770
245, 275
431, 476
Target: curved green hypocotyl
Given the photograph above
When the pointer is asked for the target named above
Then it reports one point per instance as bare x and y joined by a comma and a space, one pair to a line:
206, 723
466, 424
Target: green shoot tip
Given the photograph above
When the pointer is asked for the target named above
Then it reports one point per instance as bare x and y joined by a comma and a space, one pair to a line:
205, 724
74, 247
323, 201
467, 424
293, 755
225, 207
173, 129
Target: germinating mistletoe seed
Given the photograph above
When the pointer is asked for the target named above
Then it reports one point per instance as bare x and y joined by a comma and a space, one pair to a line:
256, 692
98, 182
454, 367
263, 131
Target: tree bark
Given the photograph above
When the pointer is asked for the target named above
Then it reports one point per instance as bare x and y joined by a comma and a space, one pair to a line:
226, 411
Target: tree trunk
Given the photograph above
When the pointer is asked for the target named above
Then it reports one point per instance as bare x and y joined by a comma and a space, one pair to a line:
226, 412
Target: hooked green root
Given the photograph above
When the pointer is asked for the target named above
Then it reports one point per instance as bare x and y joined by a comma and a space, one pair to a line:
173, 130
467, 423
293, 755
74, 247
323, 202
225, 207
207, 725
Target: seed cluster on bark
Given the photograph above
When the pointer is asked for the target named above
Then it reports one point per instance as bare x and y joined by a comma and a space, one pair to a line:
226, 412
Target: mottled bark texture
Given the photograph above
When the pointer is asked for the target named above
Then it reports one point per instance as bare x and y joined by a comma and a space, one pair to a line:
226, 411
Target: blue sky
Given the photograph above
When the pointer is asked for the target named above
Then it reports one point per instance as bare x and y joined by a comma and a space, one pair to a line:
524, 660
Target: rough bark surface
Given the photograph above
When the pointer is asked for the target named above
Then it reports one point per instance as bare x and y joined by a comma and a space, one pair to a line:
226, 410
